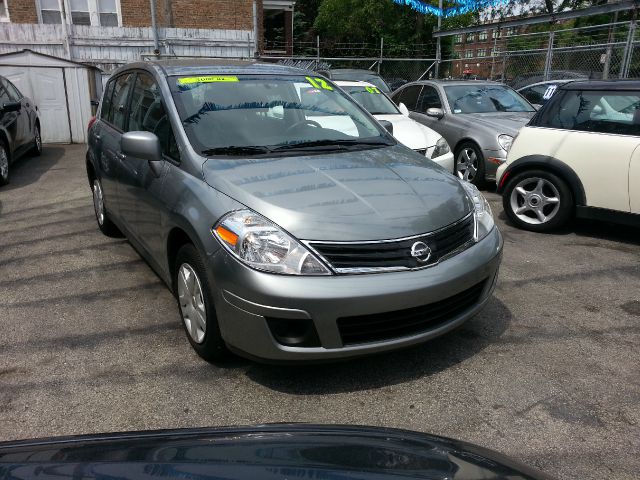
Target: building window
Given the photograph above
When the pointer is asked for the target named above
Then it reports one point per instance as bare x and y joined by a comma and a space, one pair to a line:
50, 11
481, 52
482, 36
470, 37
4, 13
495, 33
104, 13
511, 31
496, 51
457, 39
468, 54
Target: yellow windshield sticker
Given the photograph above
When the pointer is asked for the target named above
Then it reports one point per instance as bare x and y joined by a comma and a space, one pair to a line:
372, 89
207, 79
318, 82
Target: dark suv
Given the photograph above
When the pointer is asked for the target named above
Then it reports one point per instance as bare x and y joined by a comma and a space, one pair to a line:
288, 222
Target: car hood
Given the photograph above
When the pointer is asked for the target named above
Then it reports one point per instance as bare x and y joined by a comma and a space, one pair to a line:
266, 452
507, 122
369, 194
411, 133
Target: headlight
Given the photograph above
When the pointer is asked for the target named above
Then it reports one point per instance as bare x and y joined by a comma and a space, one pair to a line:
483, 214
263, 245
505, 141
442, 147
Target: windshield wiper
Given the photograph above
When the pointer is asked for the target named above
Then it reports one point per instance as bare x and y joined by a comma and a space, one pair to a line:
331, 144
235, 150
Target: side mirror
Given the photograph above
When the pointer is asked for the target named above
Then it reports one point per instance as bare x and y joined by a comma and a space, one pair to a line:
95, 103
11, 107
145, 145
435, 113
403, 109
388, 126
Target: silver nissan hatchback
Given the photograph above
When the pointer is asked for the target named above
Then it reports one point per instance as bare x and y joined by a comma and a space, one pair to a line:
289, 224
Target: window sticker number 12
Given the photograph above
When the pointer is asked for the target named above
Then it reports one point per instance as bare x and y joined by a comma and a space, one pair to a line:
318, 82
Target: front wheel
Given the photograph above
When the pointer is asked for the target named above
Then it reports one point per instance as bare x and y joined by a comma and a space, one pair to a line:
36, 151
105, 224
538, 201
469, 164
196, 305
4, 164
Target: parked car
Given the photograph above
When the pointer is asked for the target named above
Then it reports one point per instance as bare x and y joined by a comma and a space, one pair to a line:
282, 239
396, 82
478, 119
535, 77
539, 93
270, 452
409, 132
578, 156
356, 75
19, 127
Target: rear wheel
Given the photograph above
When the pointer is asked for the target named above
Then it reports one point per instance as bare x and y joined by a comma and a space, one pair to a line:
538, 201
105, 224
470, 163
196, 305
4, 164
36, 151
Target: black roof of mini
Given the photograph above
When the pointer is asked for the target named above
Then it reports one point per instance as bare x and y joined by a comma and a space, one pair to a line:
615, 85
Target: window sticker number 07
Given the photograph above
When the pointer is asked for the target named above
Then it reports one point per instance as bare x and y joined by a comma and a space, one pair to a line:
317, 82
549, 92
372, 89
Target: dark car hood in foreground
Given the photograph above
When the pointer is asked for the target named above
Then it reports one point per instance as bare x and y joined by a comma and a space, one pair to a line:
369, 194
502, 122
271, 452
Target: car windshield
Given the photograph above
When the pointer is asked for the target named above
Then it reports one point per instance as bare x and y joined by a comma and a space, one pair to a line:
253, 114
372, 99
485, 99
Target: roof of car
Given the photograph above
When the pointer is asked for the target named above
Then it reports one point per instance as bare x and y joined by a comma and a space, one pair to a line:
548, 82
350, 83
602, 85
458, 82
218, 66
351, 70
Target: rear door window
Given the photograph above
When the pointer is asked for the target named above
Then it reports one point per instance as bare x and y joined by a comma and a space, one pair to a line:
409, 96
595, 111
105, 111
428, 98
14, 93
118, 109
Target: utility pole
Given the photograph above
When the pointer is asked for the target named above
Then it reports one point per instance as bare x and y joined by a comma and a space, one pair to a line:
154, 27
438, 44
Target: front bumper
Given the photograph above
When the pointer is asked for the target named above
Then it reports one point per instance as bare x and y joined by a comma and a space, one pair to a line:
246, 297
493, 159
445, 161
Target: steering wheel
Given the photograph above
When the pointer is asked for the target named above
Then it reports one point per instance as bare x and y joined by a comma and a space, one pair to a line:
313, 123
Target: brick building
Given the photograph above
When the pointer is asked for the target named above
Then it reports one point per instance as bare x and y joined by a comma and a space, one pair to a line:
270, 19
479, 54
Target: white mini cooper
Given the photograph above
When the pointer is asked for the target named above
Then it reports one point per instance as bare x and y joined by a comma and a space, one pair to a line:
578, 156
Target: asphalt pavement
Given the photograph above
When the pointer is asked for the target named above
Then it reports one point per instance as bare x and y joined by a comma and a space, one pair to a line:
91, 341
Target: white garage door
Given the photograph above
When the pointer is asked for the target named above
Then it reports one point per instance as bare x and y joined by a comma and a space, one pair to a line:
45, 86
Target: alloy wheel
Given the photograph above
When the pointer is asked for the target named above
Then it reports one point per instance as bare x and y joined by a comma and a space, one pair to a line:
98, 201
38, 140
467, 164
4, 163
535, 200
192, 305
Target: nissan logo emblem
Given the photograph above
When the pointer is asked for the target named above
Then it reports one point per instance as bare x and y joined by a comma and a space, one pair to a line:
420, 251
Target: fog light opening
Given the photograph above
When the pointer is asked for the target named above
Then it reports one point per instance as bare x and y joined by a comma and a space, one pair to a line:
294, 332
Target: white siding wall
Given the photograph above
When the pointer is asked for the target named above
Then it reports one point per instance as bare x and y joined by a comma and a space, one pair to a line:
109, 47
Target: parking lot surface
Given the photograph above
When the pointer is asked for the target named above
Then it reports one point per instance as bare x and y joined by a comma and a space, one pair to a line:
91, 341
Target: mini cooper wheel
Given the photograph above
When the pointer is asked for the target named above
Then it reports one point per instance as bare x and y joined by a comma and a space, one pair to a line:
105, 224
469, 164
36, 151
4, 164
538, 201
196, 305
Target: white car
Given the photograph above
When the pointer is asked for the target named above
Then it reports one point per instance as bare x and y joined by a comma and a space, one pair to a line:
408, 132
579, 155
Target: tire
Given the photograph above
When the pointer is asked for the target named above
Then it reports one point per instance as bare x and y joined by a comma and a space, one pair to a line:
196, 305
538, 201
469, 164
4, 164
36, 151
105, 224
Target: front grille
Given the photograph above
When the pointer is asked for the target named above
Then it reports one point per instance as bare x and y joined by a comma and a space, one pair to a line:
386, 255
411, 321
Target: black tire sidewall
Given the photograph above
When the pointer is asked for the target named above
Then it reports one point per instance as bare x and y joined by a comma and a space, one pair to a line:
479, 179
213, 346
565, 211
5, 181
35, 151
108, 228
